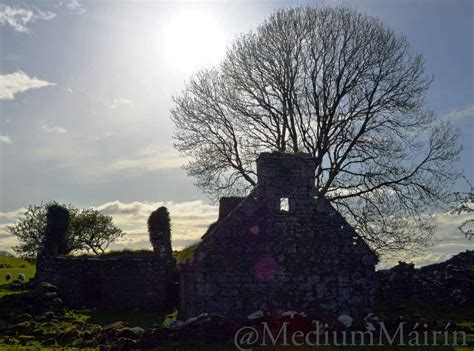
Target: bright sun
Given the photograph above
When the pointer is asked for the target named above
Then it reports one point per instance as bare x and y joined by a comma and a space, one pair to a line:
193, 39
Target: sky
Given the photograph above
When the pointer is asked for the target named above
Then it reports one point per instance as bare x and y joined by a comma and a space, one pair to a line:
86, 90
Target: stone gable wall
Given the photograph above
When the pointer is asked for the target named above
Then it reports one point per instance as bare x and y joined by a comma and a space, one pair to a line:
258, 257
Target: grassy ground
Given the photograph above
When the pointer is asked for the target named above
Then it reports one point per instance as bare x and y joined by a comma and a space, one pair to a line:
125, 254
428, 311
185, 254
133, 318
13, 266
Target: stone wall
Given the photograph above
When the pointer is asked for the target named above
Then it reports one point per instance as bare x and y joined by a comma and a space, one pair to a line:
124, 283
258, 257
448, 284
227, 204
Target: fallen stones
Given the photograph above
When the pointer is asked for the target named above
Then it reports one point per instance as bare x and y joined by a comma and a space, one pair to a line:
174, 324
255, 315
345, 320
290, 314
129, 333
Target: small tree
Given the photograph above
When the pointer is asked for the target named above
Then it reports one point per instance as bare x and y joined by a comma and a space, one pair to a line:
89, 230
159, 228
29, 230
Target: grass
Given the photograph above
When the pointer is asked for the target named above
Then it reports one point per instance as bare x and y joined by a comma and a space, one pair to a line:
125, 254
14, 266
428, 311
146, 319
59, 333
185, 254
133, 318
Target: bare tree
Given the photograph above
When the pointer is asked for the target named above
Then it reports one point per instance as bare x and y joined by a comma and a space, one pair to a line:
336, 84
466, 206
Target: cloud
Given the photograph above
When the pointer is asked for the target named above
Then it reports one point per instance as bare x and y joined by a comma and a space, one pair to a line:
19, 82
77, 158
104, 136
74, 6
53, 129
457, 115
120, 102
449, 241
189, 222
149, 159
18, 18
5, 139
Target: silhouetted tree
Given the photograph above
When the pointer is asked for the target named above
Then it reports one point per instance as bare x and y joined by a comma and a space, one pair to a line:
93, 231
88, 230
159, 228
467, 206
341, 86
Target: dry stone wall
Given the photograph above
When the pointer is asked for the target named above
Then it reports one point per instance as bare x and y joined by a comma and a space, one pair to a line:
125, 283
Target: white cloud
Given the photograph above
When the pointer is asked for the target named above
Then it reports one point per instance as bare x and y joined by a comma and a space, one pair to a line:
5, 139
191, 219
104, 136
19, 82
77, 158
450, 241
117, 102
52, 129
152, 158
19, 18
189, 222
457, 115
74, 6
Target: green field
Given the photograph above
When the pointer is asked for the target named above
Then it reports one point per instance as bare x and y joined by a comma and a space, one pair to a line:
14, 266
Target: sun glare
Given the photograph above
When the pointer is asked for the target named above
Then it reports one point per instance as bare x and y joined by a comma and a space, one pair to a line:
193, 39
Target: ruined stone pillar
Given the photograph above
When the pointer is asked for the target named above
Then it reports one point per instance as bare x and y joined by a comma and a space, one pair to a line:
159, 228
55, 236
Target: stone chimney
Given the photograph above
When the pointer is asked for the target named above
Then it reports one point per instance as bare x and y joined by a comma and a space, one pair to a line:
286, 176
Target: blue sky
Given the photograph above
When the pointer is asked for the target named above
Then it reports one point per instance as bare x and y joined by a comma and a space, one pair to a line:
86, 89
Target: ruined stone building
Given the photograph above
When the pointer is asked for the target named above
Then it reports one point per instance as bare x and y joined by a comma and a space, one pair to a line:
278, 249
130, 282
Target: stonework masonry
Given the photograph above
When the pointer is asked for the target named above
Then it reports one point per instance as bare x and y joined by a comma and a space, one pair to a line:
123, 283
259, 256
145, 282
280, 248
